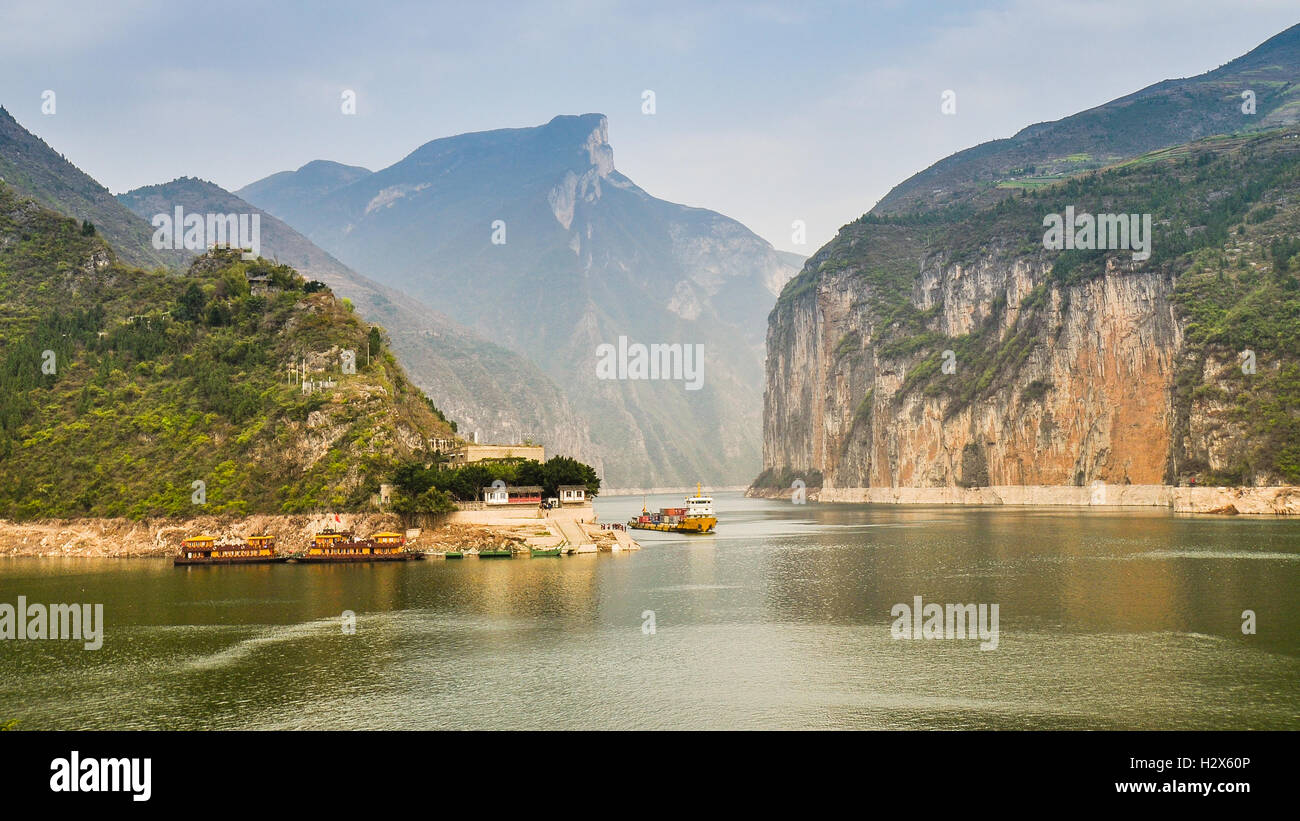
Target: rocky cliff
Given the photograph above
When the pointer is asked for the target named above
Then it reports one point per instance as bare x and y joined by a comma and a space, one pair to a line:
952, 349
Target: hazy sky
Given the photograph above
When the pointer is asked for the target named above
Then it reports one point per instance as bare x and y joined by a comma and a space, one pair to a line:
767, 112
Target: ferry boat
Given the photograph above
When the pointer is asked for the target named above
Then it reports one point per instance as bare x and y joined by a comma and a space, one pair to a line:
207, 549
696, 517
331, 545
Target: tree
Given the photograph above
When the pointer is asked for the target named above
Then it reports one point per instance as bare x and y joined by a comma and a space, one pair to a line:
431, 501
190, 305
561, 470
376, 341
87, 228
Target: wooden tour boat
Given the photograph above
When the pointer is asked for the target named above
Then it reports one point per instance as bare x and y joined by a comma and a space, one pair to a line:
206, 549
342, 546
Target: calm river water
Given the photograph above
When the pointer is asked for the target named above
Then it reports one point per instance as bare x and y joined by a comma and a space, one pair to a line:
1129, 619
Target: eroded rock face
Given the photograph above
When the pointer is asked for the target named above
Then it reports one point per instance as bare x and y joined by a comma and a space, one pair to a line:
1090, 402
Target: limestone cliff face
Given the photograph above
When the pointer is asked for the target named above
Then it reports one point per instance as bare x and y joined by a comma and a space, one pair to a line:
1101, 409
959, 350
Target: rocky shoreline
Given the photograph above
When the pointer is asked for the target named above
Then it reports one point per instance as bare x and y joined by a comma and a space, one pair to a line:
155, 538
98, 538
1283, 500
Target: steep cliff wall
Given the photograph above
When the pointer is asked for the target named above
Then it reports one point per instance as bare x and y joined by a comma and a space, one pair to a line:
956, 351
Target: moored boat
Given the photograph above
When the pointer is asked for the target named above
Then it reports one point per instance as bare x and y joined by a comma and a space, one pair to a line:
536, 552
331, 545
502, 552
696, 517
205, 549
453, 554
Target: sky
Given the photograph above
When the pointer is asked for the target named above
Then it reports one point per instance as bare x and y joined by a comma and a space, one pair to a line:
769, 112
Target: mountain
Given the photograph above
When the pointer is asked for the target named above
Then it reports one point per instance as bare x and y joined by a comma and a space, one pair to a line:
295, 192
33, 169
121, 388
531, 237
963, 346
484, 387
1168, 113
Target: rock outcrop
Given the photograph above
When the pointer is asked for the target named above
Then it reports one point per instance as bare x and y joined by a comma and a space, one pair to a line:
958, 355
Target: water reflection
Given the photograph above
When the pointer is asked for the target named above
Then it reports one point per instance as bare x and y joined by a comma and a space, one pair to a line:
780, 619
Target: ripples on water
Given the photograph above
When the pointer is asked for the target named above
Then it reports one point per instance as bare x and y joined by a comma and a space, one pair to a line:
1114, 619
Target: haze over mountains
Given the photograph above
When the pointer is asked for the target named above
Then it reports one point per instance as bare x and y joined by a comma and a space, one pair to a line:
486, 387
587, 258
581, 257
479, 385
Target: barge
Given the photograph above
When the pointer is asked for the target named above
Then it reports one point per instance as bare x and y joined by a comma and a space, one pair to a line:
696, 517
331, 545
205, 549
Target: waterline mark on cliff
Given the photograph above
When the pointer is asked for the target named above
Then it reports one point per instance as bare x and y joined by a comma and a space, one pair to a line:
952, 621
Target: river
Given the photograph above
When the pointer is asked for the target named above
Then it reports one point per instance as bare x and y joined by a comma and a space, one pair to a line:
1108, 619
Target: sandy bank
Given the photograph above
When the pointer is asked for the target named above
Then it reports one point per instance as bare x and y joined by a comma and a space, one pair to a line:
96, 538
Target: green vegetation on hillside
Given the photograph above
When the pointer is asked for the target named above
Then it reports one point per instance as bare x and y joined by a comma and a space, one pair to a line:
33, 169
121, 388
1169, 113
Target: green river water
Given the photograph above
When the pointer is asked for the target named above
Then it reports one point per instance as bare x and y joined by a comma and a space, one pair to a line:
1107, 619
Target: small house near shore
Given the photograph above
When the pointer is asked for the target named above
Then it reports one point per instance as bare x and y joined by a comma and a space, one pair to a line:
523, 495
573, 494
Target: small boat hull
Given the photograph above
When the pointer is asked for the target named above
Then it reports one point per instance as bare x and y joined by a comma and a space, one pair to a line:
702, 525
554, 551
496, 554
181, 561
353, 558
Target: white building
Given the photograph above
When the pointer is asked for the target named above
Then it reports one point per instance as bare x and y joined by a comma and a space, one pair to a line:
573, 494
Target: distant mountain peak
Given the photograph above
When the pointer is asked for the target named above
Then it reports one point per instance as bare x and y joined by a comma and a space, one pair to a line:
575, 142
331, 167
590, 257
